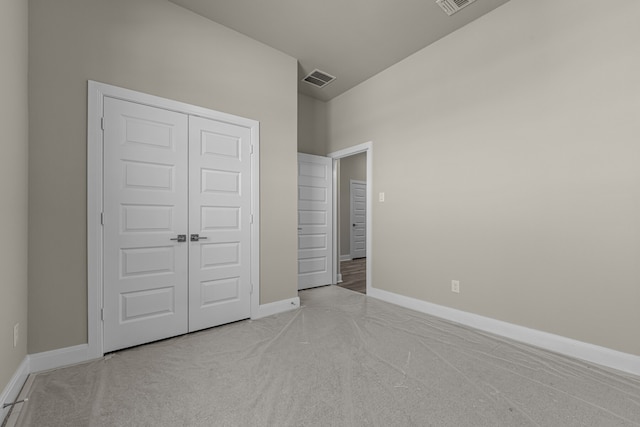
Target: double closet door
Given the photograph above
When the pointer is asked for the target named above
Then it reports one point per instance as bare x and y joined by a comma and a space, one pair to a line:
176, 223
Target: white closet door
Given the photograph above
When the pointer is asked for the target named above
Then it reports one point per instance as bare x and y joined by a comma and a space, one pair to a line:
358, 217
145, 207
219, 223
315, 220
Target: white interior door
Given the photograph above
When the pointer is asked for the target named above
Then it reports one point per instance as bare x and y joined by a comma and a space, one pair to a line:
145, 207
358, 215
177, 223
220, 217
315, 220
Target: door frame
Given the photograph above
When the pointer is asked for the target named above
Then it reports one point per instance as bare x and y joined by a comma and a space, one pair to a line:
96, 94
366, 147
351, 215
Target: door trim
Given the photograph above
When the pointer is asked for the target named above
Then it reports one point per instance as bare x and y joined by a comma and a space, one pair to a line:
96, 93
366, 147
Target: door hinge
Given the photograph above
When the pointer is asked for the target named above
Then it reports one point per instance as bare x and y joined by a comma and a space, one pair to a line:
101, 218
102, 123
102, 314
251, 290
251, 219
251, 149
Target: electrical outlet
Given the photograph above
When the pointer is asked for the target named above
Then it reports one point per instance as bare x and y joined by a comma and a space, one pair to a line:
16, 332
455, 286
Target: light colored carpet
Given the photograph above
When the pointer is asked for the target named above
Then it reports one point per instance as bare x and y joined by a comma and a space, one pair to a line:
342, 359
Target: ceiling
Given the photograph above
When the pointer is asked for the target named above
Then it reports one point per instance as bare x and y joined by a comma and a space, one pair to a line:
349, 39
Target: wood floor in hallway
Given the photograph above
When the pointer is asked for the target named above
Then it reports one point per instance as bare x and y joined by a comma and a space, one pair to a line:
354, 275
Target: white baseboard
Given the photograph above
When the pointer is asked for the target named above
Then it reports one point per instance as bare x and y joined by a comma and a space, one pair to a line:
11, 391
265, 310
58, 358
346, 257
81, 353
569, 347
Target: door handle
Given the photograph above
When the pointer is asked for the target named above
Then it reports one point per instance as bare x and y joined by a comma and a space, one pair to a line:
197, 238
180, 238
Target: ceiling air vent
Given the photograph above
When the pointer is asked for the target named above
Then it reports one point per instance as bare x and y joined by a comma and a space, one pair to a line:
452, 6
318, 78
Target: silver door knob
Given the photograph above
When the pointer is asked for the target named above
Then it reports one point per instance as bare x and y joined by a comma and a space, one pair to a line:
197, 238
180, 238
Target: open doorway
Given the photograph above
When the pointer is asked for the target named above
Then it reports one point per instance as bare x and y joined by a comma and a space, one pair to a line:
352, 208
352, 211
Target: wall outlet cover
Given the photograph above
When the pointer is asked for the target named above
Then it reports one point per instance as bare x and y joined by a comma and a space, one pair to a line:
455, 286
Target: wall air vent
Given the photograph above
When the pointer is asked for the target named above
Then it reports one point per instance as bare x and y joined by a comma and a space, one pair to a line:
318, 78
452, 6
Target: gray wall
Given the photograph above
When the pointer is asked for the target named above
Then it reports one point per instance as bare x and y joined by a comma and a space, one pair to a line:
156, 47
352, 167
13, 185
509, 155
312, 126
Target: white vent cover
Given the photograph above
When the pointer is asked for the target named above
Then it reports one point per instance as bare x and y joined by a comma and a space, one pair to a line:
319, 78
452, 6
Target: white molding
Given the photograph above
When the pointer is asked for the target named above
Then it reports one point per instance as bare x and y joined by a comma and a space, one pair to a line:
255, 226
346, 257
59, 358
336, 277
366, 147
94, 209
350, 151
12, 389
556, 343
276, 308
96, 93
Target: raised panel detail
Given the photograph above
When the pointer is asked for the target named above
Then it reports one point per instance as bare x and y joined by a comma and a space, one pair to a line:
218, 291
144, 218
312, 265
220, 254
138, 131
312, 170
216, 144
218, 181
140, 305
312, 218
219, 218
312, 194
145, 261
312, 241
149, 176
